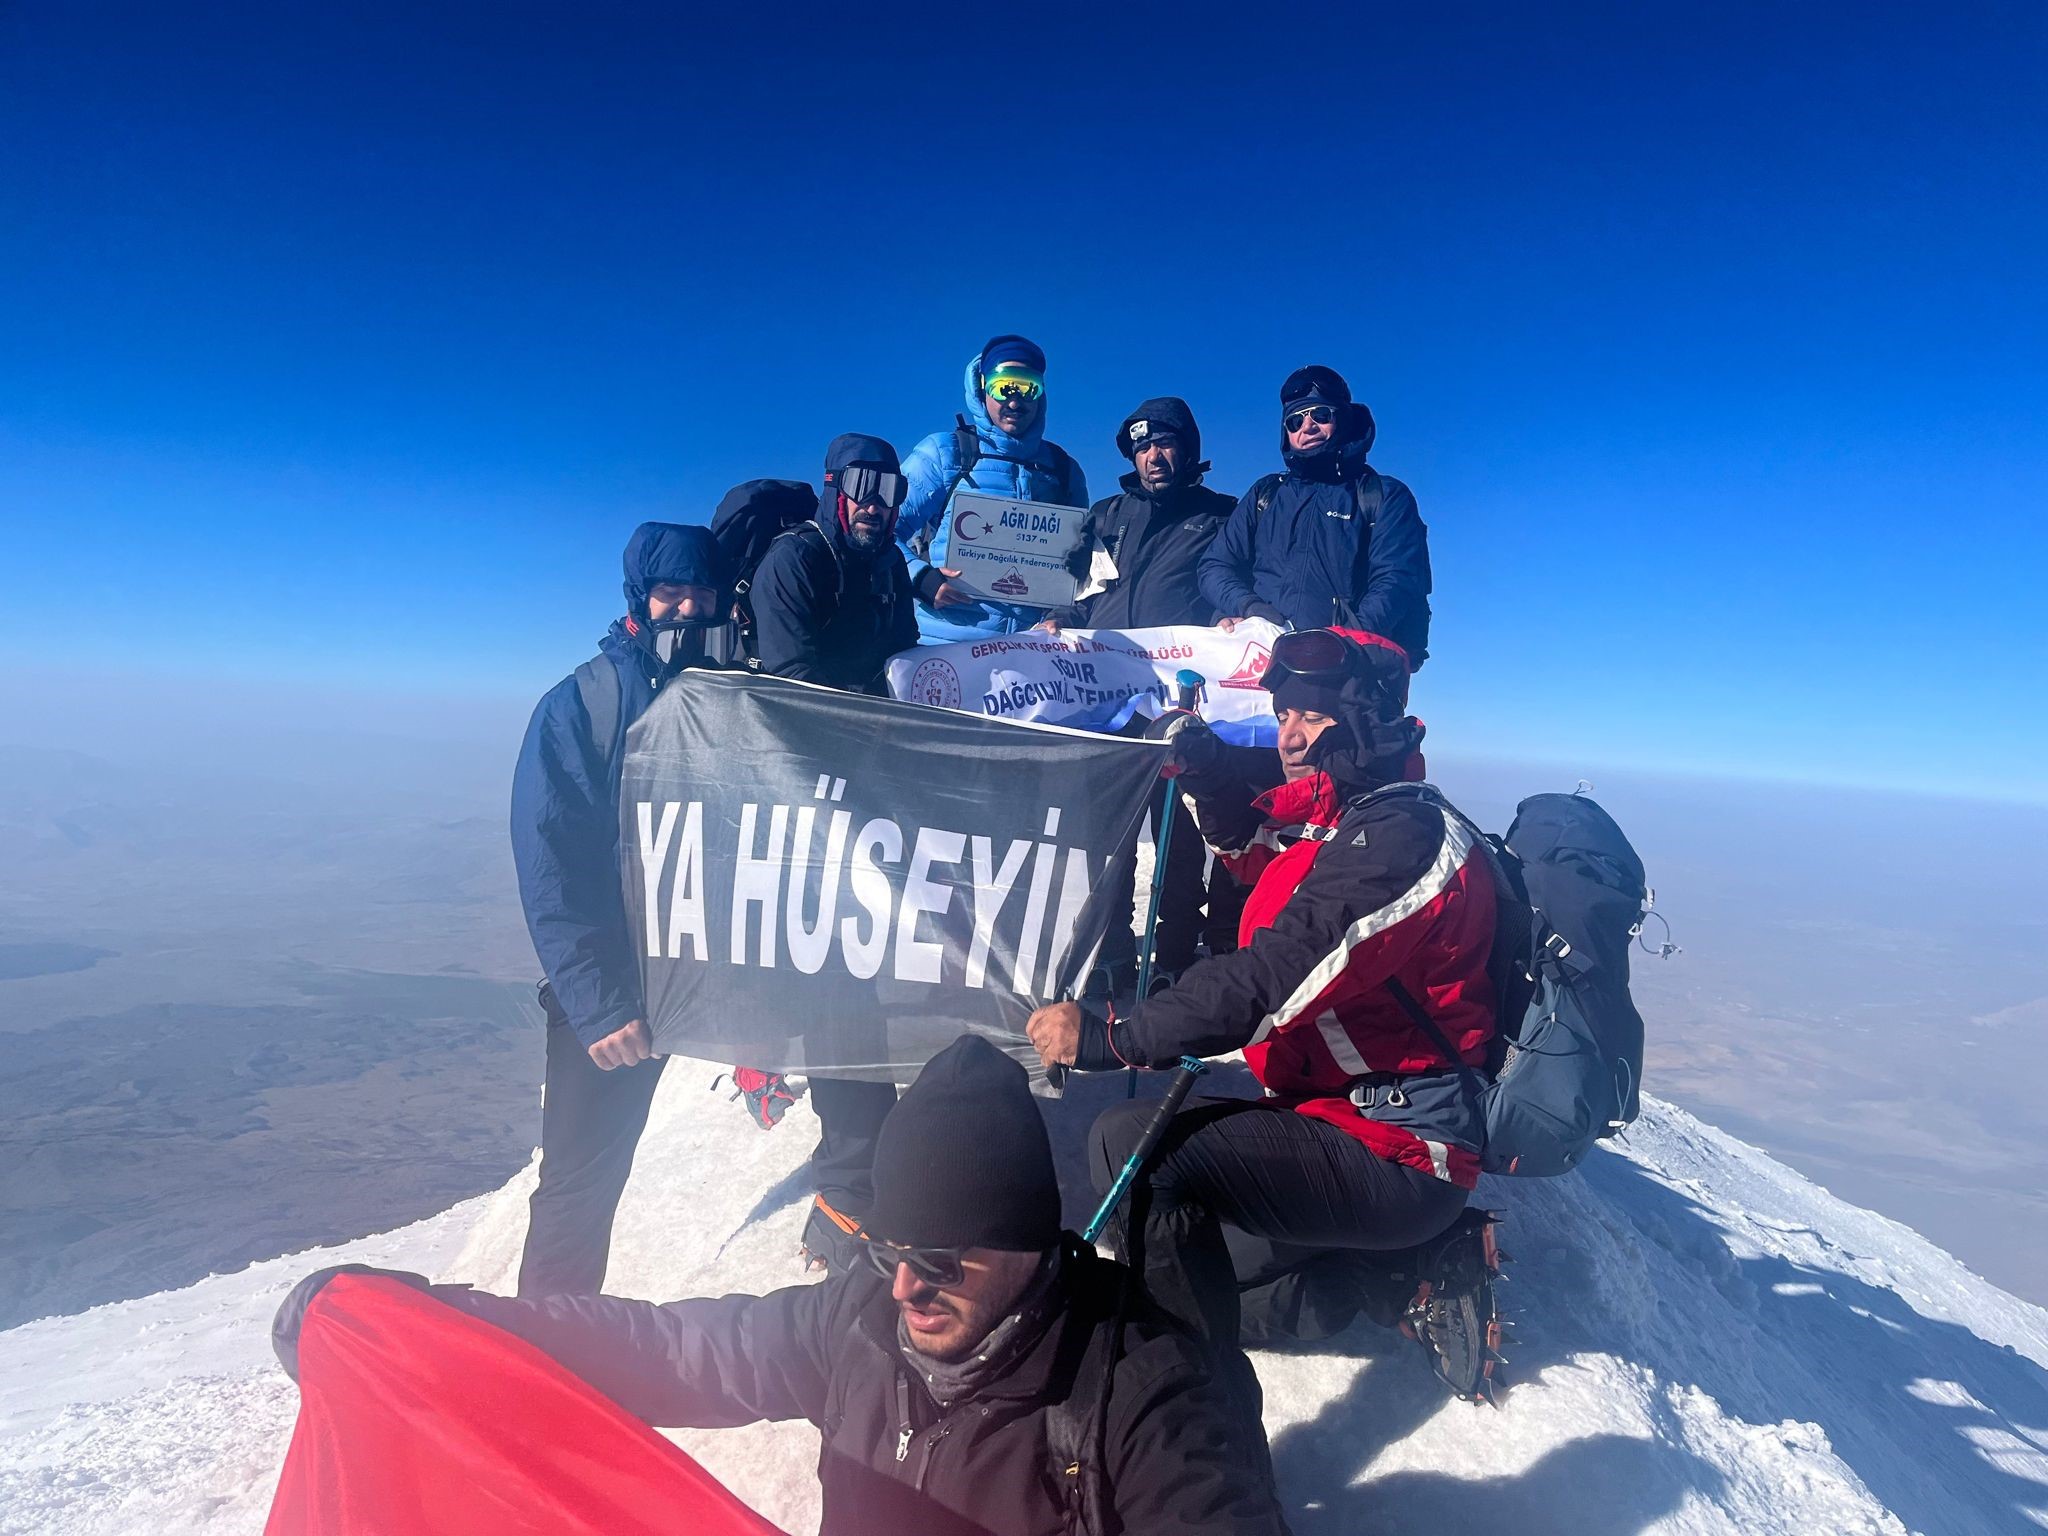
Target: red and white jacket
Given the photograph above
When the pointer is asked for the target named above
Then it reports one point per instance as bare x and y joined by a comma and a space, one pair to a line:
1346, 897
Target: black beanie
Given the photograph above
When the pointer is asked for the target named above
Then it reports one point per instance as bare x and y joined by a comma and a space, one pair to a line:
1314, 385
963, 1160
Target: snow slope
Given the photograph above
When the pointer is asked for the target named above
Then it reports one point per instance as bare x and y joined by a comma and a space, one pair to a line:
1709, 1343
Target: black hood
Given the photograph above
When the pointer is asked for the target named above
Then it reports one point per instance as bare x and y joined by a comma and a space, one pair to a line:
848, 449
1167, 411
1344, 455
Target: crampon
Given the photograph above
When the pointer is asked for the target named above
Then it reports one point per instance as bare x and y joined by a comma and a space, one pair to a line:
1452, 1314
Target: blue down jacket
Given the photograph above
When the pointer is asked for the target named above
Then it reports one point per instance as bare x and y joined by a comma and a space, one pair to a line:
1027, 468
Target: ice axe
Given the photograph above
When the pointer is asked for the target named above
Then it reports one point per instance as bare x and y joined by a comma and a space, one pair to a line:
1190, 1068
1187, 685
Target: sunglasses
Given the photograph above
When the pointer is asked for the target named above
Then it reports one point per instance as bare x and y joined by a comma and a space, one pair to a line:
934, 1266
1313, 653
859, 484
1322, 415
1015, 388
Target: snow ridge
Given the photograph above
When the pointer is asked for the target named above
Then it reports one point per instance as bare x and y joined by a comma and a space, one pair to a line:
1709, 1343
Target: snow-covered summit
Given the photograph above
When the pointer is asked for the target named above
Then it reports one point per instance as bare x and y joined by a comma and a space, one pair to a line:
1709, 1343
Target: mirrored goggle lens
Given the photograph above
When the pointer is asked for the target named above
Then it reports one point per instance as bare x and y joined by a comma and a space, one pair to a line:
861, 484
1323, 415
1312, 653
934, 1266
1015, 386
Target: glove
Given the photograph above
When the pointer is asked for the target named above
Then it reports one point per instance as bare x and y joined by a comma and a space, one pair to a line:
291, 1314
1193, 747
768, 1094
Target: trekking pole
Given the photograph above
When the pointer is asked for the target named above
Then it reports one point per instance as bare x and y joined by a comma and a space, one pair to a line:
1190, 1068
1187, 684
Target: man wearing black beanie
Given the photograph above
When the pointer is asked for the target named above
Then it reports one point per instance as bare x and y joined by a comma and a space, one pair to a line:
1330, 540
982, 1374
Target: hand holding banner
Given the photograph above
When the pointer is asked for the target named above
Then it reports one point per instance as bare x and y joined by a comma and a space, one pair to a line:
821, 880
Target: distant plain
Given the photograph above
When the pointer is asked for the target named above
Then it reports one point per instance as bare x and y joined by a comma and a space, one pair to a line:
245, 1013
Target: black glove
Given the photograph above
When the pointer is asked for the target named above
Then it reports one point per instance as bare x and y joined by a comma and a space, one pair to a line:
291, 1315
1266, 611
1194, 747
1092, 1052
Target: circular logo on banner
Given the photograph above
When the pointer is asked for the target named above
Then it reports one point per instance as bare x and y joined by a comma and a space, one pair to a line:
935, 682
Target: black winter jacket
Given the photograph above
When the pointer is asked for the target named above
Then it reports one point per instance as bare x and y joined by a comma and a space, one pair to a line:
1309, 559
1157, 544
825, 612
891, 1460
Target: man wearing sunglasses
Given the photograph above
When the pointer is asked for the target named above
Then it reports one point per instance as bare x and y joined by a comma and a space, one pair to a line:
601, 1073
1345, 1186
1330, 540
831, 603
981, 1373
997, 447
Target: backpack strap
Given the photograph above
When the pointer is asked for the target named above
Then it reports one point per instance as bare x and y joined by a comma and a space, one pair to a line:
802, 531
966, 454
597, 681
1262, 494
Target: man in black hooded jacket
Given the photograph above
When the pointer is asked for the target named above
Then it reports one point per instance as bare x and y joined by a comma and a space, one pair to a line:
1330, 541
980, 1374
1141, 554
831, 598
831, 603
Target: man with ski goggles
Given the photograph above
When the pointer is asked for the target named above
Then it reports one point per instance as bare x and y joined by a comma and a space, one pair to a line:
996, 447
1330, 540
831, 603
983, 1373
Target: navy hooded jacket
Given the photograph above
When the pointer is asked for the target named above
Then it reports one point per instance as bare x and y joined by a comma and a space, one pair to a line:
824, 610
565, 797
1309, 560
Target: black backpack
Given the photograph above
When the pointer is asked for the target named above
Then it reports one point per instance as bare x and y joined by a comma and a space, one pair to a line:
1567, 1068
750, 517
967, 448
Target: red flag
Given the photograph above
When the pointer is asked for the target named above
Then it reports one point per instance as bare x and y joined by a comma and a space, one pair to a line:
419, 1420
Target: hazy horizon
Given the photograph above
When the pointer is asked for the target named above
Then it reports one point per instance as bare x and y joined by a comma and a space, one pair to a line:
296, 948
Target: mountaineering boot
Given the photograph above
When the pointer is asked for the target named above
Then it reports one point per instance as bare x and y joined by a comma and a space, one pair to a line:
1452, 1313
768, 1094
831, 1240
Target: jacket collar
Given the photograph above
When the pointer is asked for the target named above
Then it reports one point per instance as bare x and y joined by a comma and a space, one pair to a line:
1306, 802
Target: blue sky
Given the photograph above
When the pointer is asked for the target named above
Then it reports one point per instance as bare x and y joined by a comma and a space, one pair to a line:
344, 349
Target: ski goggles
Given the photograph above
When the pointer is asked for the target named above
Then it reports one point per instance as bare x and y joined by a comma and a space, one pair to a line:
1014, 385
860, 484
1312, 653
934, 1266
1322, 415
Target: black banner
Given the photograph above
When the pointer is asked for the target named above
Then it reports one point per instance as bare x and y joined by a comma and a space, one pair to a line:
825, 881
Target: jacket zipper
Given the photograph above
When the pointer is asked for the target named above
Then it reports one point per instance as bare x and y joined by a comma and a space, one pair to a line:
905, 1433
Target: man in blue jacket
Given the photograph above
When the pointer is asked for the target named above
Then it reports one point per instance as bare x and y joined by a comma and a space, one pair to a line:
999, 448
601, 1074
1331, 541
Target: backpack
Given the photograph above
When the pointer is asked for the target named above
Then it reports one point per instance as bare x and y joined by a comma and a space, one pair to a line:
967, 449
750, 517
1370, 494
1569, 1054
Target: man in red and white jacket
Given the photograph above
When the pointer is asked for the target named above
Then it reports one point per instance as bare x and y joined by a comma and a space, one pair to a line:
1368, 1137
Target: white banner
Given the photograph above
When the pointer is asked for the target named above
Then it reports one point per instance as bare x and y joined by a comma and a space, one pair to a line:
1097, 679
